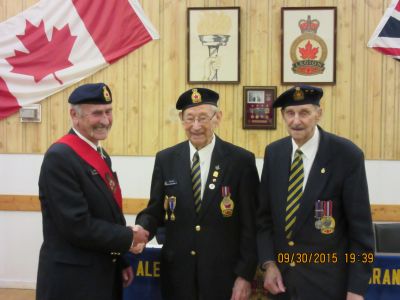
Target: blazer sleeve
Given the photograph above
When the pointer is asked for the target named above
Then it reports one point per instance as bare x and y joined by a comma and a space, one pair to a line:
64, 199
360, 233
153, 215
264, 216
248, 187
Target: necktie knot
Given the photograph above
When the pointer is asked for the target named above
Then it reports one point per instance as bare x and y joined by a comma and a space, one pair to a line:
195, 158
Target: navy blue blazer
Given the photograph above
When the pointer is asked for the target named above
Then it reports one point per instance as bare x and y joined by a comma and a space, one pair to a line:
337, 174
83, 229
204, 253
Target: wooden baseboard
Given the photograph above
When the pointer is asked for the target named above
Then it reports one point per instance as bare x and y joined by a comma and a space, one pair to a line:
380, 212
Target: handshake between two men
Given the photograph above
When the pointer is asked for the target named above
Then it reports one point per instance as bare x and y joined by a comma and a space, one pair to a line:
140, 239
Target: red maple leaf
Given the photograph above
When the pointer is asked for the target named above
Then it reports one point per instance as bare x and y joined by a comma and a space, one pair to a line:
308, 52
44, 57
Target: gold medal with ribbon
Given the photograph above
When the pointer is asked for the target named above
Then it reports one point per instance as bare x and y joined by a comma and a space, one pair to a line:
318, 213
327, 221
227, 205
172, 206
166, 207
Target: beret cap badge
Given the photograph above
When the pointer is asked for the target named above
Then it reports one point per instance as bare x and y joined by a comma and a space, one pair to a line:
196, 96
298, 94
106, 94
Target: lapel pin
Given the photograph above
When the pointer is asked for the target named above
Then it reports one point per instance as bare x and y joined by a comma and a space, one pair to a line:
323, 171
217, 167
211, 186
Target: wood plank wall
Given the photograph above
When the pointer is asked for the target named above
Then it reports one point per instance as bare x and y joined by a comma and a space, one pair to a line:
380, 212
362, 106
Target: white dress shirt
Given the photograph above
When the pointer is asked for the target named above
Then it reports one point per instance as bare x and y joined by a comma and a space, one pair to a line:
205, 161
309, 150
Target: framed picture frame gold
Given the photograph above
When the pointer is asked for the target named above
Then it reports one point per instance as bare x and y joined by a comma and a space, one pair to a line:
213, 50
308, 48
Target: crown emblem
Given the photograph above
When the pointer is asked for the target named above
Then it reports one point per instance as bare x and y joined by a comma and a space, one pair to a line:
298, 94
309, 26
196, 96
106, 94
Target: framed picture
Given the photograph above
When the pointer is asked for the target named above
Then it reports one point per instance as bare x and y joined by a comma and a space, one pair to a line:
258, 112
308, 45
213, 54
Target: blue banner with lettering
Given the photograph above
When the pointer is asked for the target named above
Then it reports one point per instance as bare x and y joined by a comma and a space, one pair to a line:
385, 281
146, 267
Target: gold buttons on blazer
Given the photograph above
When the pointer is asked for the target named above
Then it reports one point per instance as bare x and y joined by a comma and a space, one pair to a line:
292, 264
198, 227
193, 253
291, 243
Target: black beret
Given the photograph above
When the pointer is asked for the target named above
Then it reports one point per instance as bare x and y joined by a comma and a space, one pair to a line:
299, 95
92, 93
197, 96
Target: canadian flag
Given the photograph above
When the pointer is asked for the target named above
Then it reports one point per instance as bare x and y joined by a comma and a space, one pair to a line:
56, 43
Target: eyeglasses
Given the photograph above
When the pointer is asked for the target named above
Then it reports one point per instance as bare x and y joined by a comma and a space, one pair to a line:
202, 119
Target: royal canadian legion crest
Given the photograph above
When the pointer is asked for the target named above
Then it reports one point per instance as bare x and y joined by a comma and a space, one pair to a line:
308, 51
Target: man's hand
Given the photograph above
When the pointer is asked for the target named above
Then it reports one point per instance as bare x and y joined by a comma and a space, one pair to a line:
241, 289
140, 239
352, 296
273, 282
127, 276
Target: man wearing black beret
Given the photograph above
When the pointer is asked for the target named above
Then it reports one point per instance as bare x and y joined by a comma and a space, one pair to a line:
84, 229
204, 192
314, 208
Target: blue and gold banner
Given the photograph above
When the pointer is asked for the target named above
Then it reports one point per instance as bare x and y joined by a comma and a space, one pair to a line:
385, 280
146, 283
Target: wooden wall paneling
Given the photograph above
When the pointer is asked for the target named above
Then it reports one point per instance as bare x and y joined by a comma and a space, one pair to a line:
239, 135
150, 90
388, 109
397, 123
380, 212
115, 75
374, 86
195, 3
344, 68
55, 117
257, 62
134, 121
173, 68
12, 126
275, 38
363, 105
358, 57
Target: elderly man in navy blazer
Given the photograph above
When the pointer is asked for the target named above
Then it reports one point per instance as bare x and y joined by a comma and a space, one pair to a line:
84, 229
204, 192
314, 214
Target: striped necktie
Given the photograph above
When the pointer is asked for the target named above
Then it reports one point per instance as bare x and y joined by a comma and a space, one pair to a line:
295, 191
196, 181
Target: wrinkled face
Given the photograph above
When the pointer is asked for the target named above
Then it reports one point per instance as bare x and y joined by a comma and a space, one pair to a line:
199, 123
93, 121
301, 121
